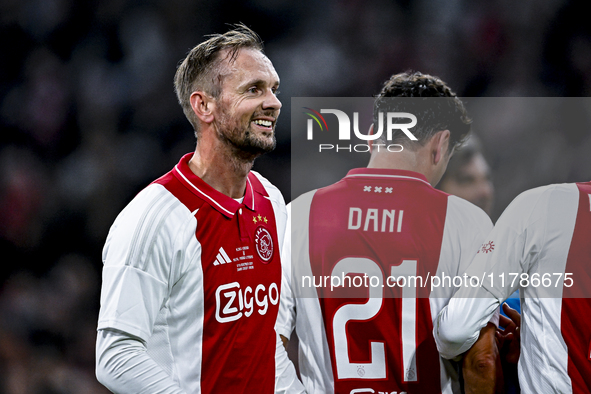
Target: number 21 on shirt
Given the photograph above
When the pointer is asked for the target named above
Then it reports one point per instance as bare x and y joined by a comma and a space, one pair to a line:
376, 369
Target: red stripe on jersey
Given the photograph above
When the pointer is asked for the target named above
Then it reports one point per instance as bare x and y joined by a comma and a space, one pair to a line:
219, 201
242, 282
576, 304
409, 216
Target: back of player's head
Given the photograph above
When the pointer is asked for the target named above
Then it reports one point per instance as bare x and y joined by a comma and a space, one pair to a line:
202, 69
427, 97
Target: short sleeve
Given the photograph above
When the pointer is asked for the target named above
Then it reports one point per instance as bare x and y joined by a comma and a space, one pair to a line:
140, 261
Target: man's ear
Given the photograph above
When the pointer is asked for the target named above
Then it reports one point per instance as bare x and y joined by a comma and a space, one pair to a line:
203, 106
439, 145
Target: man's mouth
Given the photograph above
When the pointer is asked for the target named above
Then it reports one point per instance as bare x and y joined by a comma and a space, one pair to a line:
264, 124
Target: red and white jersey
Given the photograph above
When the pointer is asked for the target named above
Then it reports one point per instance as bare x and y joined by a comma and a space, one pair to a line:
544, 237
382, 223
197, 276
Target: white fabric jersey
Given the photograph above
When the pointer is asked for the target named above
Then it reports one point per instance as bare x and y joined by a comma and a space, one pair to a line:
196, 276
541, 245
384, 223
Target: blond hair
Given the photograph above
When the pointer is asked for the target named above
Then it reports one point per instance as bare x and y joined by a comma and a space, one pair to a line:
200, 70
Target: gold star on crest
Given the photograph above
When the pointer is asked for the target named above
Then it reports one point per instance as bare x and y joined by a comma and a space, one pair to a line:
260, 217
265, 219
254, 219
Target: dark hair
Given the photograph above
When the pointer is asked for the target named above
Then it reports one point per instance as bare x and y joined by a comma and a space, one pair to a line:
427, 97
200, 70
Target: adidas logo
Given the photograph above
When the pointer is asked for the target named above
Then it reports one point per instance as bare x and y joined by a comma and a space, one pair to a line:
222, 258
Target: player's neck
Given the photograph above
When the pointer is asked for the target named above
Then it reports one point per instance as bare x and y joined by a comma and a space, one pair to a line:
407, 160
221, 169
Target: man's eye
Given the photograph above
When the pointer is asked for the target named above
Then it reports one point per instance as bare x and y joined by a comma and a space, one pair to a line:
275, 91
253, 89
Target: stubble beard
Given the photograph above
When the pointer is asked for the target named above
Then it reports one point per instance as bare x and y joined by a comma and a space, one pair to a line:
244, 146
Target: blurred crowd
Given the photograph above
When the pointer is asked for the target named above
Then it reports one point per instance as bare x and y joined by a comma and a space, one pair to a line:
88, 118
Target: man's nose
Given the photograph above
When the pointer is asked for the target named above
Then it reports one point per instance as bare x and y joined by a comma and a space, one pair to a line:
271, 101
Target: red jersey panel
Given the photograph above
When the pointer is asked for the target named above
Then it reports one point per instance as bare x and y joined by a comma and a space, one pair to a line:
389, 225
576, 304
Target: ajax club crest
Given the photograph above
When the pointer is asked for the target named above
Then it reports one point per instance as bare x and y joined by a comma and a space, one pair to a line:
264, 244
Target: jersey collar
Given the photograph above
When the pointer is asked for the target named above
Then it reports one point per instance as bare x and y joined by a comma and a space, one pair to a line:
387, 173
225, 205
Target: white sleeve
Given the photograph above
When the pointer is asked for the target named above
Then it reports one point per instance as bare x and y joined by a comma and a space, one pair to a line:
121, 358
459, 323
142, 260
286, 379
286, 317
511, 248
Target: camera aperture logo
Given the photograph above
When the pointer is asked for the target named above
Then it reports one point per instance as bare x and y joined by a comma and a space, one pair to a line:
344, 132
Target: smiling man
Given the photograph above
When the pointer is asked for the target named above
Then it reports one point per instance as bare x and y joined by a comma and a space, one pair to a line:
192, 270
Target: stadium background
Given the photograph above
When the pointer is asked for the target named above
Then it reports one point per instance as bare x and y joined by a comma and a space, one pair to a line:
88, 117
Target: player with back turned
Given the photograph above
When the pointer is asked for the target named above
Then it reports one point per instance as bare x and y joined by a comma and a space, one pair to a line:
541, 246
192, 269
386, 220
